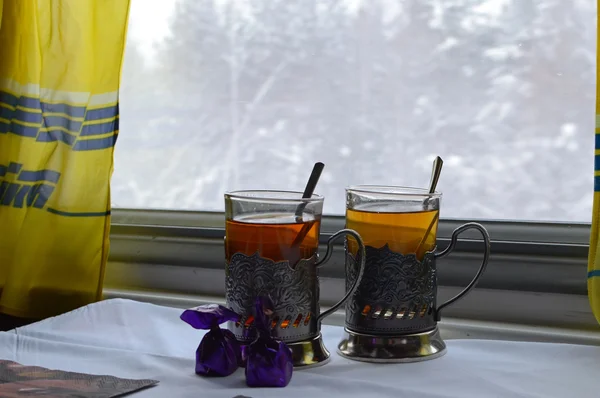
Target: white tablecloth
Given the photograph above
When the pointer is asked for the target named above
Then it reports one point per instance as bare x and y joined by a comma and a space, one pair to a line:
138, 340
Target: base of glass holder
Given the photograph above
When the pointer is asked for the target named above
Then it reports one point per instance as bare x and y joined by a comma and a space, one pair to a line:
305, 354
390, 349
309, 353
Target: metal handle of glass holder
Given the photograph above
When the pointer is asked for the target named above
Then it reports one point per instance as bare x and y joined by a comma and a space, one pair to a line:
361, 254
450, 248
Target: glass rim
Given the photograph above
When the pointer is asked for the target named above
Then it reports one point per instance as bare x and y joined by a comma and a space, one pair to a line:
393, 190
271, 196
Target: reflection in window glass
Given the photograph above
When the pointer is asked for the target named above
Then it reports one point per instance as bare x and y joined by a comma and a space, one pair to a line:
232, 94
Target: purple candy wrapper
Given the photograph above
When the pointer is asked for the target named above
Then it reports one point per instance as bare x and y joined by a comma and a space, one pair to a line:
204, 316
219, 352
269, 362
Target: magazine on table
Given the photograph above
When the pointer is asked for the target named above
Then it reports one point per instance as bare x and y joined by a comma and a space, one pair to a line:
18, 380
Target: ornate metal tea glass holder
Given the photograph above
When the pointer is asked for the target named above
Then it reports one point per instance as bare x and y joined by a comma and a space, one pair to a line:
295, 295
393, 315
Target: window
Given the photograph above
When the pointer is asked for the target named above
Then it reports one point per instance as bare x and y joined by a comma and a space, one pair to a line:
220, 95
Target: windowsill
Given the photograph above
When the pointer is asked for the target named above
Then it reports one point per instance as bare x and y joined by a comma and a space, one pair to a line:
451, 328
534, 288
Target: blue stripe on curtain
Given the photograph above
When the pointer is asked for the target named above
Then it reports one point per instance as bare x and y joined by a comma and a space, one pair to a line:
593, 274
59, 122
39, 176
77, 214
597, 164
100, 128
14, 167
29, 175
61, 136
92, 144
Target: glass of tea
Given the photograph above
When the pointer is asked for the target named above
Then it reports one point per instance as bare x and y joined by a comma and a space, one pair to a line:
393, 315
271, 245
404, 219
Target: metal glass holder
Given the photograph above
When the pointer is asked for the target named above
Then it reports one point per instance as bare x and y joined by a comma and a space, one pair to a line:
295, 296
393, 315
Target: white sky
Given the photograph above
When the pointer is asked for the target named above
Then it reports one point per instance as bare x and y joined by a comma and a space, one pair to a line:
149, 22
149, 19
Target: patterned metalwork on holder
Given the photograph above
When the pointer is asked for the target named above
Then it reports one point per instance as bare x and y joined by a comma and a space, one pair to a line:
294, 292
397, 294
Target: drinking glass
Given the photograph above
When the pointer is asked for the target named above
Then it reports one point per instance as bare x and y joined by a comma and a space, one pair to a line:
393, 315
271, 244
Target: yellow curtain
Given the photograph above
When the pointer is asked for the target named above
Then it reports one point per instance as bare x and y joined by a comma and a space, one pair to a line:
60, 64
594, 254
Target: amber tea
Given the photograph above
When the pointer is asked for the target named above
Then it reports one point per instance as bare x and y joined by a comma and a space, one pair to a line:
403, 232
272, 236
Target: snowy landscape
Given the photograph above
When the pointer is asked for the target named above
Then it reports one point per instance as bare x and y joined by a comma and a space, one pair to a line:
219, 95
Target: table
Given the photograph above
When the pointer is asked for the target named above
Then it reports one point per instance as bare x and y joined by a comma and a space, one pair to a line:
130, 339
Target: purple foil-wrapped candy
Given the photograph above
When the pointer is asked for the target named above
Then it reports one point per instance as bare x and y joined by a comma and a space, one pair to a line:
269, 361
219, 352
204, 316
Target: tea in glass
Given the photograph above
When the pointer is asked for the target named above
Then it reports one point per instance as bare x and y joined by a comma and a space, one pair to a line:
404, 219
276, 236
411, 232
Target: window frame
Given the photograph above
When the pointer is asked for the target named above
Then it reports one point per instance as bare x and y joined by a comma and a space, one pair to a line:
536, 274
